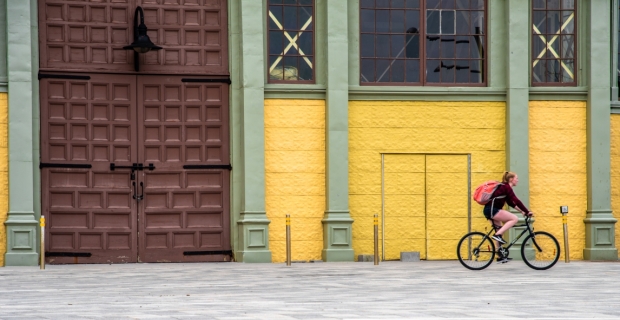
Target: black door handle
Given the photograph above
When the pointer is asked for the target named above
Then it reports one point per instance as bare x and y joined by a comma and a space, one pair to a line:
135, 194
141, 196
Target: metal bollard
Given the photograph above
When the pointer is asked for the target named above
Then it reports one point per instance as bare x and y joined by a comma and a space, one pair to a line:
42, 250
564, 212
288, 239
376, 221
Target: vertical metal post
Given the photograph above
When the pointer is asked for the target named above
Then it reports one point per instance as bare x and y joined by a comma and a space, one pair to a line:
564, 212
288, 239
469, 193
383, 206
42, 250
376, 223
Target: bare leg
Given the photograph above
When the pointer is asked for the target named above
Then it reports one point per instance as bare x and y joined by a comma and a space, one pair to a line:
507, 218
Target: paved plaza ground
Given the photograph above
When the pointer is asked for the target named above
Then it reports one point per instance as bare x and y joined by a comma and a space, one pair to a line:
392, 290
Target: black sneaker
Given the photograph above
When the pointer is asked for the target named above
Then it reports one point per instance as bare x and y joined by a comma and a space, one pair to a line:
499, 239
501, 258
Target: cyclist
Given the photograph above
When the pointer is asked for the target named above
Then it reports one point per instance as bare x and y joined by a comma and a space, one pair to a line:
503, 220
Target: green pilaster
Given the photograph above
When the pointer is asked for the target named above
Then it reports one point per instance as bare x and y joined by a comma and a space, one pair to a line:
600, 223
337, 222
21, 223
517, 101
3, 71
252, 222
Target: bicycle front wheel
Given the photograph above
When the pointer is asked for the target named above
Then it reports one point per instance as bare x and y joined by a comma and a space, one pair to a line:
475, 251
540, 250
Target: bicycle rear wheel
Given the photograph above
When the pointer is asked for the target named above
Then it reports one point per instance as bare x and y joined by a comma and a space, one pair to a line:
540, 250
475, 251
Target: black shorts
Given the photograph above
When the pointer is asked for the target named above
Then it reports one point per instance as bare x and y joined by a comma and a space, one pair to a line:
490, 211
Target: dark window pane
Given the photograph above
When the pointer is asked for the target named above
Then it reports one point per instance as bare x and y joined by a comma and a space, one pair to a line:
447, 4
432, 4
553, 50
539, 46
568, 4
432, 46
553, 71
539, 20
568, 20
462, 22
305, 2
383, 20
290, 2
462, 47
368, 70
568, 47
476, 22
447, 71
539, 4
304, 14
276, 72
432, 22
305, 68
553, 21
305, 42
367, 20
398, 3
462, 4
412, 20
368, 3
568, 71
415, 4
553, 4
398, 70
291, 70
477, 4
413, 70
276, 11
412, 46
475, 71
462, 71
275, 1
477, 47
397, 21
397, 46
383, 3
383, 70
367, 45
433, 71
276, 39
447, 21
383, 46
447, 46
290, 17
538, 71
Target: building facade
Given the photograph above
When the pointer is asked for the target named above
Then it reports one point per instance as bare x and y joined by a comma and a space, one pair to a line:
328, 111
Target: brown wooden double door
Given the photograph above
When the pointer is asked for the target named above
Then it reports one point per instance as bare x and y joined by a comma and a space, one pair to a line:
135, 169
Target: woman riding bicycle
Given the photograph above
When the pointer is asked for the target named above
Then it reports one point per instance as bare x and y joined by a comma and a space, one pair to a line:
493, 210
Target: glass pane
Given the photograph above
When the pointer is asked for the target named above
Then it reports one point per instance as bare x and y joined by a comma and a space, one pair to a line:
539, 4
412, 49
475, 71
383, 70
448, 22
290, 18
568, 20
568, 47
415, 4
477, 22
554, 21
305, 2
432, 46
447, 71
412, 20
553, 48
397, 46
477, 47
275, 1
368, 70
568, 71
553, 4
538, 71
275, 68
462, 4
290, 68
383, 3
276, 11
305, 42
413, 70
432, 4
568, 4
276, 39
368, 3
553, 71
539, 22
433, 71
292, 2
398, 3
462, 47
383, 20
397, 21
367, 21
305, 15
382, 46
432, 22
477, 4
447, 4
462, 71
462, 22
447, 47
305, 68
539, 47
398, 70
367, 45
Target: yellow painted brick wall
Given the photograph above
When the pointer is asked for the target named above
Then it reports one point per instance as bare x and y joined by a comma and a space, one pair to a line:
615, 172
558, 169
377, 127
4, 177
295, 176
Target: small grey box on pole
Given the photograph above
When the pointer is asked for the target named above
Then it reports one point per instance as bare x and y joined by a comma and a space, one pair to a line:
564, 212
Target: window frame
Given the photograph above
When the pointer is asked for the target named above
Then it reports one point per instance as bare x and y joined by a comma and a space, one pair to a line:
575, 81
313, 55
423, 60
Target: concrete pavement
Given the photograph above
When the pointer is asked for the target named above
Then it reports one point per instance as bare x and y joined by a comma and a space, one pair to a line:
392, 290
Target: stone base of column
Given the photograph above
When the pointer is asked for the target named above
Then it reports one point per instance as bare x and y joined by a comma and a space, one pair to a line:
600, 236
254, 237
337, 237
21, 231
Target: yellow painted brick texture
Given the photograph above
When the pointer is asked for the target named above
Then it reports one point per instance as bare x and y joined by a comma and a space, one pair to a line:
615, 171
295, 176
4, 174
558, 169
419, 212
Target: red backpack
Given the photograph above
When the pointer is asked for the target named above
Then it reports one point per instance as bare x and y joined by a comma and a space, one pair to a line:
483, 193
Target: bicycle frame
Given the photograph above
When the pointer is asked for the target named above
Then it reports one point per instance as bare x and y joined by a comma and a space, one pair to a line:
527, 229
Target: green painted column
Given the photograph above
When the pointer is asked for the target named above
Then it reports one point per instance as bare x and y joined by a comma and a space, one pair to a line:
253, 225
599, 221
337, 222
3, 67
517, 102
21, 224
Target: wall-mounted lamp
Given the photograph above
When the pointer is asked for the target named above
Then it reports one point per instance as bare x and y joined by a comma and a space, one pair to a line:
141, 42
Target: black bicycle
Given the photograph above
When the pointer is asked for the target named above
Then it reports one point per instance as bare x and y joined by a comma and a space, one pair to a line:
540, 250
